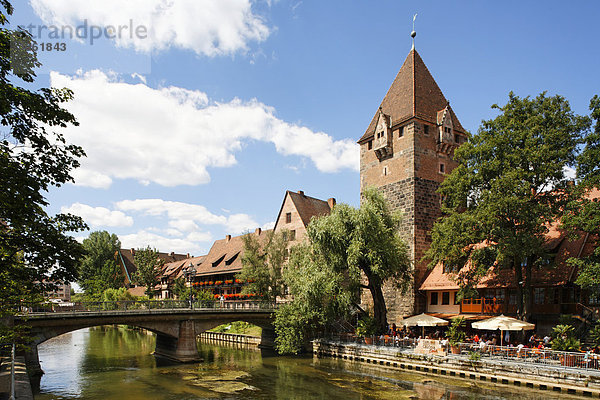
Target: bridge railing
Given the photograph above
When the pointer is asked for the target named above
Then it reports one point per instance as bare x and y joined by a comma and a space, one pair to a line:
135, 305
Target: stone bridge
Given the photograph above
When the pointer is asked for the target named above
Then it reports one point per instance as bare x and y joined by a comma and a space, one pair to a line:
176, 328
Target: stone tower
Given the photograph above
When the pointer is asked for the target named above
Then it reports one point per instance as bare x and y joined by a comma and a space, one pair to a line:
406, 152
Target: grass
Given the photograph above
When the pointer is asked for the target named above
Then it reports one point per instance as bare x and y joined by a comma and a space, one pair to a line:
239, 327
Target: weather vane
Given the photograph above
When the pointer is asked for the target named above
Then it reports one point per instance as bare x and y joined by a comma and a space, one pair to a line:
413, 33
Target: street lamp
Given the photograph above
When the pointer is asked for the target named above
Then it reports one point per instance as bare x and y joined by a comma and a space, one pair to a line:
190, 274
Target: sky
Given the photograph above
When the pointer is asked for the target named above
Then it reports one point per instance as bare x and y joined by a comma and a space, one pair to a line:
197, 115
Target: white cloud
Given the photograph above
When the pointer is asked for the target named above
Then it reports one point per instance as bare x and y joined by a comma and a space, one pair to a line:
98, 216
207, 27
268, 225
184, 216
170, 136
184, 245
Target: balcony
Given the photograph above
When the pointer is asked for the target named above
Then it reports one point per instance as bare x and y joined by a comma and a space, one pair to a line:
483, 306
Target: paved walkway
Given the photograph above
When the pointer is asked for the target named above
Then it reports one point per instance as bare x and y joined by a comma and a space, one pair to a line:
22, 386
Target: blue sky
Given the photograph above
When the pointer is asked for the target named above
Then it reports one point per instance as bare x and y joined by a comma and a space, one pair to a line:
197, 130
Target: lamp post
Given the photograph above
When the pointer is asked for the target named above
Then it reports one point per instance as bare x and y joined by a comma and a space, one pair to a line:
190, 274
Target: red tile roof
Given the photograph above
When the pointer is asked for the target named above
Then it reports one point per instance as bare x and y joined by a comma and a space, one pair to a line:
225, 255
126, 258
559, 273
414, 93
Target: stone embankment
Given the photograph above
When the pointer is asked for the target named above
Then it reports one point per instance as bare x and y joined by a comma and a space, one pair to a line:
543, 377
230, 338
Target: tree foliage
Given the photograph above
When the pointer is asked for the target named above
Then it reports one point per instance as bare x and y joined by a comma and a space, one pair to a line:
584, 212
34, 246
98, 269
320, 295
262, 264
148, 266
347, 250
509, 186
182, 291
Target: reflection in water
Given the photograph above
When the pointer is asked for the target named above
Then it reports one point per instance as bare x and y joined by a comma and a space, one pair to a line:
116, 363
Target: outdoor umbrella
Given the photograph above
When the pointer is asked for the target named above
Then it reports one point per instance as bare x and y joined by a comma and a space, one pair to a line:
503, 323
423, 320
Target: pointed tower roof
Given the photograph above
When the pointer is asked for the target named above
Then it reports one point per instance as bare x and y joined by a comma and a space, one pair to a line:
414, 93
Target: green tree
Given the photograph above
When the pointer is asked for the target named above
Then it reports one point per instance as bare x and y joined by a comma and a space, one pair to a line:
262, 264
98, 269
584, 212
148, 267
509, 186
347, 250
34, 246
320, 295
182, 291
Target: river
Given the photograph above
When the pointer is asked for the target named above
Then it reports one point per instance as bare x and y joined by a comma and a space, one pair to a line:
116, 363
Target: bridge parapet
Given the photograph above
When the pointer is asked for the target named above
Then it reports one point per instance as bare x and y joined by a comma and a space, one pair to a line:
141, 306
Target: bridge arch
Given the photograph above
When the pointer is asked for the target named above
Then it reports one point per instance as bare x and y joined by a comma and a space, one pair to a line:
176, 329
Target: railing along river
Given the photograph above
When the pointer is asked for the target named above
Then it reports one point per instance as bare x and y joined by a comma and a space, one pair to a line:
475, 352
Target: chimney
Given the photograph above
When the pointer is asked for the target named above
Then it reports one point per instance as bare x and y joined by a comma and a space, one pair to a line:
188, 255
300, 192
172, 254
227, 238
132, 251
331, 203
258, 231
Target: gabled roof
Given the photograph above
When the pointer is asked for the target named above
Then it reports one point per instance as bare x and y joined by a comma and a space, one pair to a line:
559, 273
306, 206
414, 93
173, 269
225, 255
126, 258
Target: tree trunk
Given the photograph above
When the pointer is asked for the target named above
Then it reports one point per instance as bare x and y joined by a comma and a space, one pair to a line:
527, 301
379, 310
518, 282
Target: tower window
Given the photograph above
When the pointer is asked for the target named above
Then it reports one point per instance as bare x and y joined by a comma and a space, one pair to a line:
369, 145
442, 168
288, 218
401, 131
426, 129
385, 171
457, 138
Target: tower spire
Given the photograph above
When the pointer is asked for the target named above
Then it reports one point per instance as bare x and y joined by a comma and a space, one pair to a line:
413, 33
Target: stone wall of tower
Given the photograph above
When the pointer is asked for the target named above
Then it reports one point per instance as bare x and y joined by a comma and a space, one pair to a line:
409, 180
428, 177
394, 177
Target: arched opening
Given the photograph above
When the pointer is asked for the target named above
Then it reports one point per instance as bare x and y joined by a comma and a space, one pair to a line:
238, 328
70, 359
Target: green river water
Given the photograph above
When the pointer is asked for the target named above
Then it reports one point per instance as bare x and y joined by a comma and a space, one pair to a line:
116, 363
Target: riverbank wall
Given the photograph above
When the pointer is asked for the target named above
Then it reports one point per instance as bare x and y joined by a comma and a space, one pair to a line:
22, 384
556, 379
220, 337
